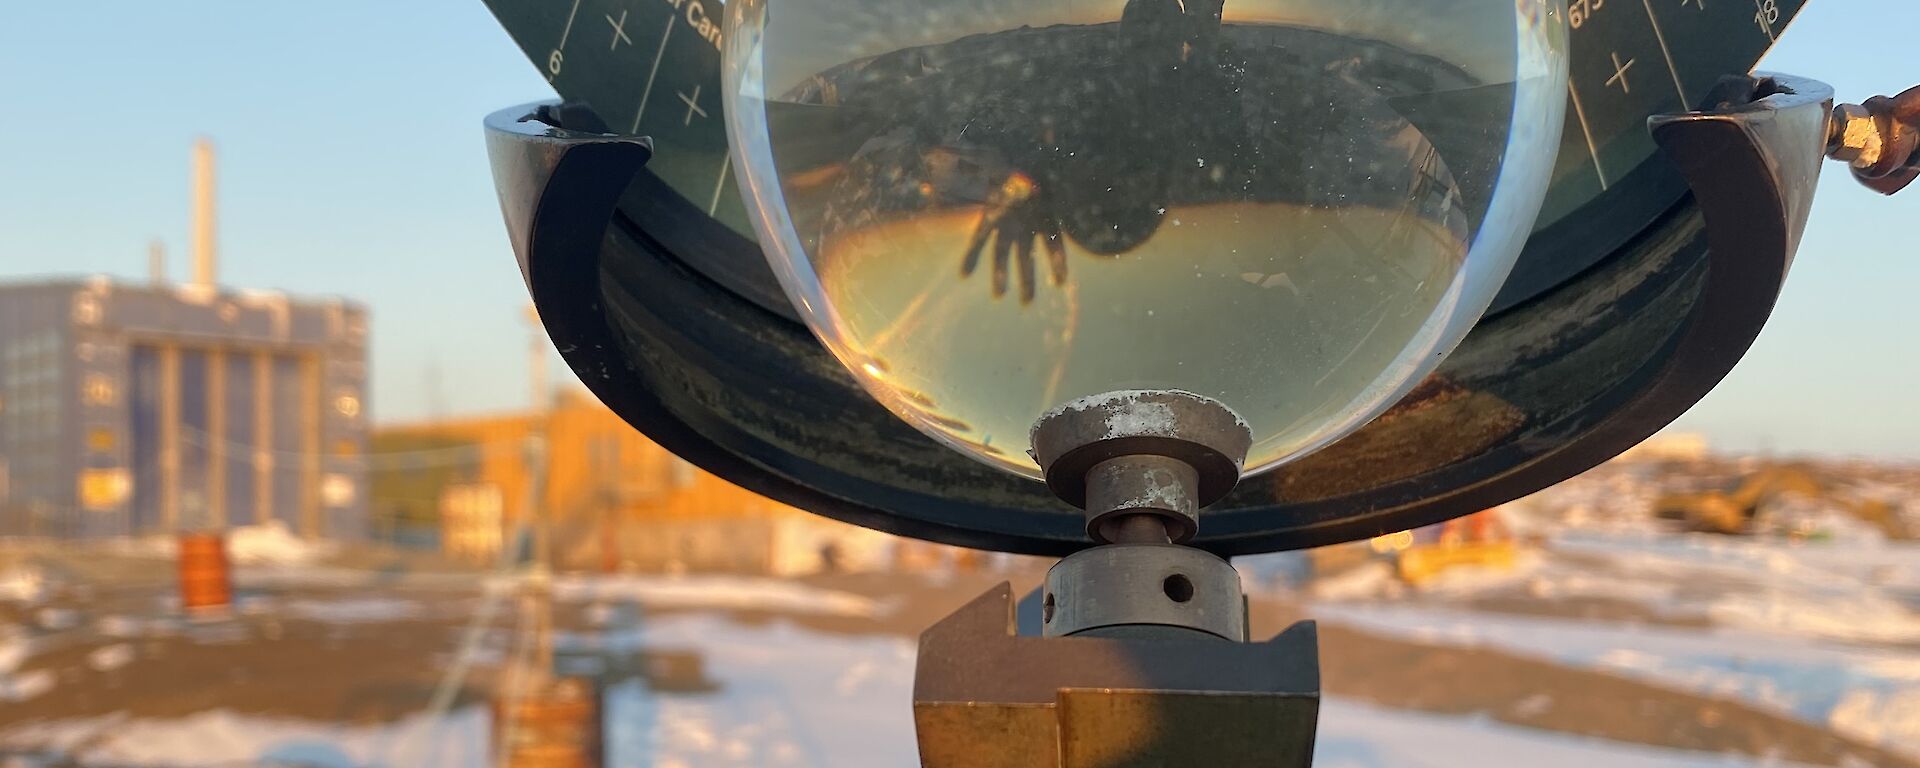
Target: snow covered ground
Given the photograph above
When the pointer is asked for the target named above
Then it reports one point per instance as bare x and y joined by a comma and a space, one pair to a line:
1821, 632
789, 697
22, 584
1826, 633
1865, 591
717, 593
1865, 692
269, 543
223, 737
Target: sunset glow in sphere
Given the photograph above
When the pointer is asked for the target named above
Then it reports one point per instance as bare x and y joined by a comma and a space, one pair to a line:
988, 208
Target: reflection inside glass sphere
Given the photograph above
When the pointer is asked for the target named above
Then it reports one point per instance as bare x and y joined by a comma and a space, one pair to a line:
1284, 211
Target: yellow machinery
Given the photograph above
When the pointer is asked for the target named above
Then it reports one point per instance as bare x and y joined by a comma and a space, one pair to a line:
1478, 540
1733, 511
1883, 515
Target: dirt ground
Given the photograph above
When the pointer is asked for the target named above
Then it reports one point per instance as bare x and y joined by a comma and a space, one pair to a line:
1469, 681
279, 655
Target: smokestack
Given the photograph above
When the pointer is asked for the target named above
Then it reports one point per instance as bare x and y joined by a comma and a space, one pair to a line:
157, 262
205, 250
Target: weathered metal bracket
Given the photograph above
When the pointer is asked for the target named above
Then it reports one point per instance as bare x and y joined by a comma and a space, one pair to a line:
1536, 394
557, 186
984, 697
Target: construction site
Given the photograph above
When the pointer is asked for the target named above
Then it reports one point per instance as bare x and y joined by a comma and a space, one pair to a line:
132, 408
1202, 321
194, 490
1576, 627
611, 499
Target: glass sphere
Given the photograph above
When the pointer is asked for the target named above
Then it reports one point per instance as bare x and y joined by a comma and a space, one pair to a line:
988, 208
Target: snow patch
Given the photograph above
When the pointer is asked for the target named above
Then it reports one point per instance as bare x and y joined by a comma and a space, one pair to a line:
1814, 680
271, 542
787, 697
223, 737
353, 611
14, 650
1890, 719
268, 543
110, 657
1840, 592
26, 685
718, 593
57, 619
1861, 618
124, 627
23, 584
1358, 735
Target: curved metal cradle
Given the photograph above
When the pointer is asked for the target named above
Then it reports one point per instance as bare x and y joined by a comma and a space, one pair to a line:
688, 343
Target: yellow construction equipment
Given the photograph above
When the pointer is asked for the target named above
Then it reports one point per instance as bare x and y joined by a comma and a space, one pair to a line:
1733, 511
1882, 514
1479, 540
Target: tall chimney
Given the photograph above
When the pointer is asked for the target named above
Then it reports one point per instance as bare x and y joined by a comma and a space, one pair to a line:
157, 262
205, 250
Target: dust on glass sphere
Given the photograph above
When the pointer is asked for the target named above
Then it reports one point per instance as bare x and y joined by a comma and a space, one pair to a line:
988, 208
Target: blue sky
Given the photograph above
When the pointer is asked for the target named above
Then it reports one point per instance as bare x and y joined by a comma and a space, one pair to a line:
352, 164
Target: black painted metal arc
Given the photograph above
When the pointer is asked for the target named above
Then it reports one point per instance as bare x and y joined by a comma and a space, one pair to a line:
1608, 182
1541, 392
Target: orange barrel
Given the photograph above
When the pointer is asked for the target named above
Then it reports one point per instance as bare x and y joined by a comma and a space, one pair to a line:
554, 723
205, 584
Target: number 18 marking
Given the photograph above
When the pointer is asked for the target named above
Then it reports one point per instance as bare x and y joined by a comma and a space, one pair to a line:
1766, 14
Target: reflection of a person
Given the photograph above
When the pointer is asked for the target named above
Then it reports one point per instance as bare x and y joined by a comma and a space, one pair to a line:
1092, 134
1110, 135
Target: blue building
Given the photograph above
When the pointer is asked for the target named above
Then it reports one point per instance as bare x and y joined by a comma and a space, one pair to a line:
133, 409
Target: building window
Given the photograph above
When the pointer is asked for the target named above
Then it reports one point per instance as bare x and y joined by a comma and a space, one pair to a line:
86, 310
98, 389
104, 489
336, 491
101, 440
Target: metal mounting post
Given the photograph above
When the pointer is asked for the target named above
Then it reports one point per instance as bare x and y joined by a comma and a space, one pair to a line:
1143, 659
1141, 464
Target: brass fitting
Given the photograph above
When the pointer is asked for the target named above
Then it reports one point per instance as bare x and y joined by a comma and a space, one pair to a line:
1879, 139
1855, 137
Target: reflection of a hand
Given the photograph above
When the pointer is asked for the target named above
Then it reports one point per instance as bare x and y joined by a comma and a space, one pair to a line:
1100, 176
1016, 215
